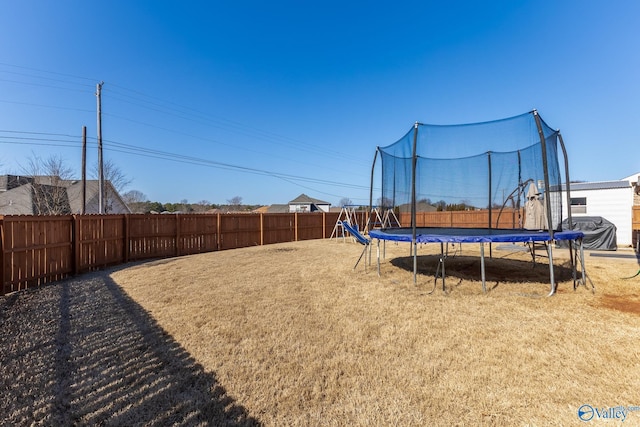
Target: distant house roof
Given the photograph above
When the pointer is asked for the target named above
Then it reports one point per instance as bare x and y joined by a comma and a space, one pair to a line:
9, 182
603, 185
277, 209
113, 201
17, 195
303, 199
272, 209
17, 200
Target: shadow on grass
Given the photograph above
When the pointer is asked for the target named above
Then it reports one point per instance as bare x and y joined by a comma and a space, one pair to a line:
498, 270
81, 352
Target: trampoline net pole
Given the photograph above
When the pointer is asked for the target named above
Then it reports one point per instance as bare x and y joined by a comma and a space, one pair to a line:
489, 204
373, 167
568, 181
414, 162
547, 195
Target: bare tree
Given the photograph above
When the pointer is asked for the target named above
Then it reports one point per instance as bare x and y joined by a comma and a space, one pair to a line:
384, 202
201, 206
114, 175
136, 200
184, 206
49, 179
345, 201
118, 180
235, 202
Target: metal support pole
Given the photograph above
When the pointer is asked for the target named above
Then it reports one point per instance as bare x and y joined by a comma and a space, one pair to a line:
442, 259
543, 144
572, 261
482, 270
551, 278
414, 162
584, 273
489, 203
378, 255
567, 180
545, 166
373, 167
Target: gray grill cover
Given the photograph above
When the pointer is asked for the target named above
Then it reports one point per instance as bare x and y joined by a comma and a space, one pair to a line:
599, 234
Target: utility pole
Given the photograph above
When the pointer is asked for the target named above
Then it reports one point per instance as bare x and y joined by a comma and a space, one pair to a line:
84, 170
100, 171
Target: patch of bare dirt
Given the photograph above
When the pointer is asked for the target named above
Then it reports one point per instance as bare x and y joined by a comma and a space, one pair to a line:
624, 303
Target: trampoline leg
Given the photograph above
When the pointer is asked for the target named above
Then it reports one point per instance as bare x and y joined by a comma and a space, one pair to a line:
482, 271
583, 267
551, 278
378, 256
573, 260
440, 269
442, 257
415, 263
360, 258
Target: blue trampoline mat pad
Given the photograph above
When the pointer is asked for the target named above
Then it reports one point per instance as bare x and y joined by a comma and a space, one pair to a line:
470, 235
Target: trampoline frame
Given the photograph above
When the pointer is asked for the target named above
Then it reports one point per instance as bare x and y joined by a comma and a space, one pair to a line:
483, 236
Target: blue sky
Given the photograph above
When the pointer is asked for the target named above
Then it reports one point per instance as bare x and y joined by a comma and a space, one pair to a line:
208, 100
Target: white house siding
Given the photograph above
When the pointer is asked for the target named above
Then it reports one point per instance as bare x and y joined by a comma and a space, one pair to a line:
299, 208
307, 208
613, 204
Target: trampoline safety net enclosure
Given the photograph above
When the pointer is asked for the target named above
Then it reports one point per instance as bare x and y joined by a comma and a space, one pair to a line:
493, 165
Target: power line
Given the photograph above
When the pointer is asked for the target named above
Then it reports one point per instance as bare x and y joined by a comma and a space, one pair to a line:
42, 78
141, 100
189, 113
174, 109
37, 133
211, 140
124, 148
162, 155
40, 85
48, 72
46, 106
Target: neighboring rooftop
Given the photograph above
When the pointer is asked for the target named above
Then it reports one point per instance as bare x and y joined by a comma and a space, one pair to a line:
602, 185
303, 199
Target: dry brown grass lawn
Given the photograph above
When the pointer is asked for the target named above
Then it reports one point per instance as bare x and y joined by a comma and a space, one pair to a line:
299, 338
289, 334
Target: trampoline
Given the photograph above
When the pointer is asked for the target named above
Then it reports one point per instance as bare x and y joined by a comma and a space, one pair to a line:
482, 235
481, 169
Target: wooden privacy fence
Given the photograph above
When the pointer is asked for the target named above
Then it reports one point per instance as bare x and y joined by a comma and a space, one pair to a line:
507, 218
42, 249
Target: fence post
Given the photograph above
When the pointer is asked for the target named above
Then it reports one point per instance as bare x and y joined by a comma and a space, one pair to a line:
324, 225
295, 226
218, 238
177, 219
75, 244
127, 237
261, 229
